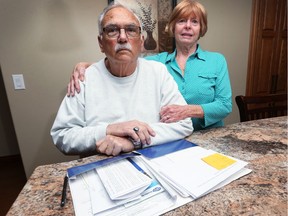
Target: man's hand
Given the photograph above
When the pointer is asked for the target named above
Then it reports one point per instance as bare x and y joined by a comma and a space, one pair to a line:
129, 129
77, 74
113, 145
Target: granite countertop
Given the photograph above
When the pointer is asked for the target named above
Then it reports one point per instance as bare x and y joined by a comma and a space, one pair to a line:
262, 143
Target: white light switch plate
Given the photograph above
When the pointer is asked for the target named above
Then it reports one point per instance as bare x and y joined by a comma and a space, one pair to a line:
18, 81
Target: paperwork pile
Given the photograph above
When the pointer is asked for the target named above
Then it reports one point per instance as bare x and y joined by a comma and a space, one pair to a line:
151, 181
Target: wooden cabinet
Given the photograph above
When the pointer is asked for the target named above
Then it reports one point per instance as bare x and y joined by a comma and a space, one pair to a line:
267, 64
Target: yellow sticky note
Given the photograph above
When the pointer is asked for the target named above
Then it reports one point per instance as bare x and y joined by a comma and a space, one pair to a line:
218, 161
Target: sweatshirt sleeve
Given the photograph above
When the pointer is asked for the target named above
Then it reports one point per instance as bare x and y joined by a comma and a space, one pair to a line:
70, 132
166, 132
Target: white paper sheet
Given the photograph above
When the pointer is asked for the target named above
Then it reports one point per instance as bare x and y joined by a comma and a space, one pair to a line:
122, 180
91, 198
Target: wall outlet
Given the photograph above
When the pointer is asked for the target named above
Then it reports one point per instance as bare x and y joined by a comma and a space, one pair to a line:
18, 81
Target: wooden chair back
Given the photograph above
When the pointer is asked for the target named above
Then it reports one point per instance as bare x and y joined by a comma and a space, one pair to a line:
260, 107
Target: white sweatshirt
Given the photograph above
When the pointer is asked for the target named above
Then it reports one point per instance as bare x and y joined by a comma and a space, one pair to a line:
104, 99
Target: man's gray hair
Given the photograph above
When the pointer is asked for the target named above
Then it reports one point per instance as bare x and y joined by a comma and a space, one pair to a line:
108, 8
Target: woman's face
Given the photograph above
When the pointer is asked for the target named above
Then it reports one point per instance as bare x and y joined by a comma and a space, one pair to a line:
187, 31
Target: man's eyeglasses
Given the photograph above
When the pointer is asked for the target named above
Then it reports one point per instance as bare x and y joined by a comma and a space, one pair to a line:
113, 31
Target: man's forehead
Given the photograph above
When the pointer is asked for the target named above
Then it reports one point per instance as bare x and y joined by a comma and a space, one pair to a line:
120, 16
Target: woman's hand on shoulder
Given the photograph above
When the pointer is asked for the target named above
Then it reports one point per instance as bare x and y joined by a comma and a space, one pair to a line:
77, 74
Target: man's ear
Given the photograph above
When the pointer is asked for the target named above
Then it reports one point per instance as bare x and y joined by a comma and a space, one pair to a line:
142, 40
100, 43
142, 44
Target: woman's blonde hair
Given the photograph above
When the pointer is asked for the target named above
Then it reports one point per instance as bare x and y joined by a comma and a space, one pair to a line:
185, 9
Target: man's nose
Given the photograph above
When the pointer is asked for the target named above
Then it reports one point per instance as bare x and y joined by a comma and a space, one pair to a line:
122, 35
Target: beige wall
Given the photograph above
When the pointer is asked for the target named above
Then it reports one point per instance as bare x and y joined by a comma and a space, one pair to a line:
44, 39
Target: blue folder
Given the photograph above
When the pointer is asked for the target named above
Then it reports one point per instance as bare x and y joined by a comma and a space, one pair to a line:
73, 171
167, 148
149, 152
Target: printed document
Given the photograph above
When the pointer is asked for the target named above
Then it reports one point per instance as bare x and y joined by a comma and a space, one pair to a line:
122, 180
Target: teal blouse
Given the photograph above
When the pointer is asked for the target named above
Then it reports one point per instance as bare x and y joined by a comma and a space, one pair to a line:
205, 82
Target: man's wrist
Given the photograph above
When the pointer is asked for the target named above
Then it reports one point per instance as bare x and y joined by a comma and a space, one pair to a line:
137, 144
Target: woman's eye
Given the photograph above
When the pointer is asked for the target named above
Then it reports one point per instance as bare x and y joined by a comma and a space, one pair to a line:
195, 21
181, 21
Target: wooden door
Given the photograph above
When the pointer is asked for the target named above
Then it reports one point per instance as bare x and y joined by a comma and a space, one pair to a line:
267, 64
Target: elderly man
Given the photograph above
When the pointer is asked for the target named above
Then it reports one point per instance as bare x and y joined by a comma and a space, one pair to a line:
118, 108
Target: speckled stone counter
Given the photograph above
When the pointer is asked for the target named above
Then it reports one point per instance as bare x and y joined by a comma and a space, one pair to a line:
262, 143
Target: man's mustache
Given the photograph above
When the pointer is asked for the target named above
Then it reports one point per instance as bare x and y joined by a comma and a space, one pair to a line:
126, 46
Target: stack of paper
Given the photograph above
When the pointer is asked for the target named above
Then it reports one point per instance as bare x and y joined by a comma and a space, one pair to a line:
196, 171
162, 178
120, 187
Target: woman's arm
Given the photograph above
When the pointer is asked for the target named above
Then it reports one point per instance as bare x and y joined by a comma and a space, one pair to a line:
221, 106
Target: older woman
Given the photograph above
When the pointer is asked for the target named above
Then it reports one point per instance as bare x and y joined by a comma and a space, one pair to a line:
202, 76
